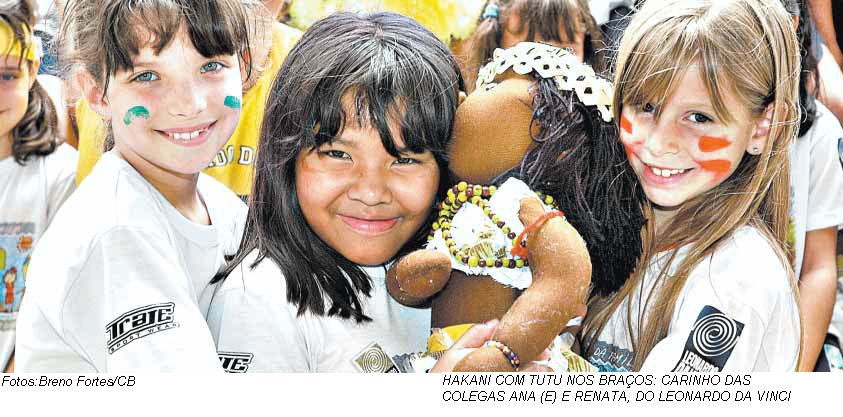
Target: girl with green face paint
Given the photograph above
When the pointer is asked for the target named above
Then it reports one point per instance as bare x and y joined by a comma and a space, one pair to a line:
159, 230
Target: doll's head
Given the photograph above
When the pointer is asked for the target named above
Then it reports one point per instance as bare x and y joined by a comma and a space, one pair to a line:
352, 154
540, 115
27, 116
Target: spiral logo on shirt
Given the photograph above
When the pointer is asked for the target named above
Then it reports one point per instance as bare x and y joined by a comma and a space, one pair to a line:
715, 334
711, 342
373, 359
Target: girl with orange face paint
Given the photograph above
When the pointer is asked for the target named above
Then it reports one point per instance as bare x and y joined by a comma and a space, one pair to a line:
706, 128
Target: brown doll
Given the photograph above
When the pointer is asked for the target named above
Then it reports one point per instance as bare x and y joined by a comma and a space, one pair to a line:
538, 116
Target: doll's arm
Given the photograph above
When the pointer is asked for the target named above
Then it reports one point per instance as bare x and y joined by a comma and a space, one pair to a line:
561, 270
418, 276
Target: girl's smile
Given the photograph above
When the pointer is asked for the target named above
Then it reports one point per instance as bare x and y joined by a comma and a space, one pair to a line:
664, 176
369, 226
189, 136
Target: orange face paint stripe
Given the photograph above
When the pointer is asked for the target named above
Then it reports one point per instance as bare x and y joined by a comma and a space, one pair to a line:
718, 166
626, 125
711, 144
628, 150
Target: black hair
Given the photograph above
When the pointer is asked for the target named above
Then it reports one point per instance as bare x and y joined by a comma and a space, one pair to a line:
579, 160
36, 133
395, 69
809, 75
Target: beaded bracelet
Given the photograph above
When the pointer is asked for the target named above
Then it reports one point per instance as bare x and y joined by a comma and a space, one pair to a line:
511, 356
521, 250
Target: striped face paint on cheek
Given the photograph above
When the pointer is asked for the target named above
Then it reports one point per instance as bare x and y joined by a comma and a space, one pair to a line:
632, 143
713, 144
720, 167
626, 126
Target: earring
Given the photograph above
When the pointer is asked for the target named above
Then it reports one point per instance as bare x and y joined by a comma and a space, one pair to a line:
755, 150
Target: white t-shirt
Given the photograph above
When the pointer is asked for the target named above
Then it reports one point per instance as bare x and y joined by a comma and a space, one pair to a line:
816, 181
252, 320
736, 313
30, 196
120, 281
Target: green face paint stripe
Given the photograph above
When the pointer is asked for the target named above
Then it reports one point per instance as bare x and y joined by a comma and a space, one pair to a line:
233, 102
134, 113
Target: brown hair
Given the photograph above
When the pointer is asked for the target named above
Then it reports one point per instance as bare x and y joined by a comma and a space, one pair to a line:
744, 46
101, 37
37, 131
539, 17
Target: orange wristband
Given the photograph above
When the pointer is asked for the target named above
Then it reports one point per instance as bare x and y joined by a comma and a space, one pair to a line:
520, 249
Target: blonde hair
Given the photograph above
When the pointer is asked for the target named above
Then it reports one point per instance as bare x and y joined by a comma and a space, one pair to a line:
747, 47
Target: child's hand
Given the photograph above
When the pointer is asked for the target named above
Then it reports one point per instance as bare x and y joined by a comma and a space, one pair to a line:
474, 338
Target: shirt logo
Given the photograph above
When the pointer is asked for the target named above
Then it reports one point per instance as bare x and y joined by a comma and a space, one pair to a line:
710, 343
235, 362
373, 359
139, 323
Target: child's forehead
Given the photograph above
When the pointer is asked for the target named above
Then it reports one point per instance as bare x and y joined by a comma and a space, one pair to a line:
9, 61
152, 41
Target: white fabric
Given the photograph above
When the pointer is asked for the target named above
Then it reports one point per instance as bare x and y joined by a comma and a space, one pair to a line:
470, 220
744, 280
816, 180
250, 316
30, 196
47, 15
118, 251
600, 9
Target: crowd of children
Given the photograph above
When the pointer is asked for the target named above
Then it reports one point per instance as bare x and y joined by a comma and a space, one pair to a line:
242, 186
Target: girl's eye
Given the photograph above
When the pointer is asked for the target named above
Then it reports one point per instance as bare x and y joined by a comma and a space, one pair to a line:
146, 77
8, 77
648, 108
406, 161
212, 67
699, 118
336, 154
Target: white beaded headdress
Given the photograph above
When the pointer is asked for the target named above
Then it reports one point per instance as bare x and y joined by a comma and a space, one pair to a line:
551, 62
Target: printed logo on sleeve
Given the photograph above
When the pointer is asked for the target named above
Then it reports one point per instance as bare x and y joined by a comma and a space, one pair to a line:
235, 362
710, 343
139, 323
